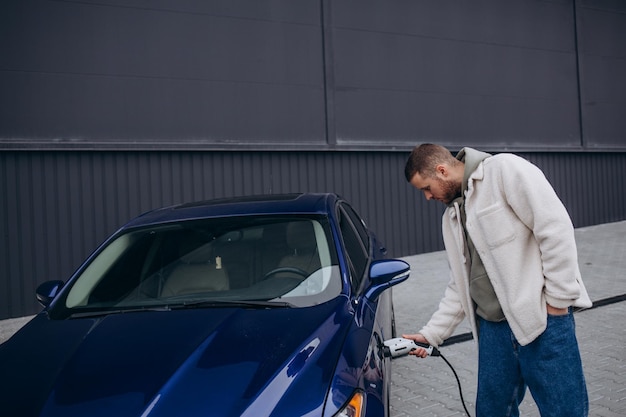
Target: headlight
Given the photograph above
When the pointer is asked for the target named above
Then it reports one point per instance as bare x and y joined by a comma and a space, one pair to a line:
355, 407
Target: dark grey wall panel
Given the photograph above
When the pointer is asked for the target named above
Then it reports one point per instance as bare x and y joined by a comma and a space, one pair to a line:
161, 73
462, 73
480, 21
602, 50
84, 38
395, 118
115, 112
56, 207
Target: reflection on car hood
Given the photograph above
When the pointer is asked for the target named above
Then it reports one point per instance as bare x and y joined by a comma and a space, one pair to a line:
227, 362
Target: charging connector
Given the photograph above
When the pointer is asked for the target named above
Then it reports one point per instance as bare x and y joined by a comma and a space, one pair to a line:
399, 346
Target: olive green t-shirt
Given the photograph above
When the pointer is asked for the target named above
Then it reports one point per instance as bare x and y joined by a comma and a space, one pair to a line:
481, 290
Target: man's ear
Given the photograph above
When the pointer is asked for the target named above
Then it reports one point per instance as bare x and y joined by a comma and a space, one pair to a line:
442, 170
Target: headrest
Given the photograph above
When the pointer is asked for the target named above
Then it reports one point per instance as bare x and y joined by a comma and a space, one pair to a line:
301, 236
201, 255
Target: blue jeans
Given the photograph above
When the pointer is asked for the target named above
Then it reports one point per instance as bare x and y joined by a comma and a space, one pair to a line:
550, 367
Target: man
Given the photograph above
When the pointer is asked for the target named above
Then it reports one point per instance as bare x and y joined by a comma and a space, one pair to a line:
514, 275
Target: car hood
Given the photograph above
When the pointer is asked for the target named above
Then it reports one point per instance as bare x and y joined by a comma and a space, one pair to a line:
225, 361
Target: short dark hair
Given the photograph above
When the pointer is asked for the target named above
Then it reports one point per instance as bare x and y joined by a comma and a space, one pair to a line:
425, 158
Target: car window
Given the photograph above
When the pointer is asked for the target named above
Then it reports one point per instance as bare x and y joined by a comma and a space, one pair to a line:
268, 258
358, 224
356, 252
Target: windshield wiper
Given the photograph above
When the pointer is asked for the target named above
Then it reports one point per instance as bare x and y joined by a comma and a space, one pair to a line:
99, 313
186, 304
233, 303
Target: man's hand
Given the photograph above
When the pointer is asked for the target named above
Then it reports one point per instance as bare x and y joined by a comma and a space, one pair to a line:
421, 352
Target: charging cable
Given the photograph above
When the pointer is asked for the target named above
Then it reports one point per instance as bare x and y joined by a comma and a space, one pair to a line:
399, 346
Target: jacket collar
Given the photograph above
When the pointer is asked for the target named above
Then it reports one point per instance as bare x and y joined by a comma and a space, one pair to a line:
472, 159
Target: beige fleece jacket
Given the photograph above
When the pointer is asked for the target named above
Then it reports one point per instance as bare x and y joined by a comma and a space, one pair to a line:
525, 238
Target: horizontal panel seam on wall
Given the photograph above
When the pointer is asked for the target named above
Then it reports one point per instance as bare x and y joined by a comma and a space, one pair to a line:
62, 145
465, 41
162, 77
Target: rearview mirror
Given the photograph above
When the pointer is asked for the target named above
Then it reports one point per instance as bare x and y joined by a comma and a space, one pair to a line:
384, 274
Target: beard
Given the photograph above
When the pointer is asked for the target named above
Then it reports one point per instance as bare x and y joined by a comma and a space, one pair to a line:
449, 189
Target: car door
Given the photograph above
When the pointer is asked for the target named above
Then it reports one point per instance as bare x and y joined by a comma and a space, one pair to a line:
373, 317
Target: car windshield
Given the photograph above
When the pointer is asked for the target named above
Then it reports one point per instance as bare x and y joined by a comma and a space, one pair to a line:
246, 261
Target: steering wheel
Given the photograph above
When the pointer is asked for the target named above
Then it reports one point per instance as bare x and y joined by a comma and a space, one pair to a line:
291, 269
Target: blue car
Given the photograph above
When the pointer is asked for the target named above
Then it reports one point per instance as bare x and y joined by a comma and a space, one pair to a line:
253, 306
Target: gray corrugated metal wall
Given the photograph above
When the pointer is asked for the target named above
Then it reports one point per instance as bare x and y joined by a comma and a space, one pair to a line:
56, 207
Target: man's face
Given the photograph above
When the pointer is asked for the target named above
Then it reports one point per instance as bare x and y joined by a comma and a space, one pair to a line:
438, 188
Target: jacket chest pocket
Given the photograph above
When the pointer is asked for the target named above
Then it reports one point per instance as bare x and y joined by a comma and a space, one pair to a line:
496, 224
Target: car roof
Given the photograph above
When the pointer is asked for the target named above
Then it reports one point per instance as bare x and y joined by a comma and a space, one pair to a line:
300, 203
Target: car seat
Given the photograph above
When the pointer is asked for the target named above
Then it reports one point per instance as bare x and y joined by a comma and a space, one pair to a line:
304, 254
196, 272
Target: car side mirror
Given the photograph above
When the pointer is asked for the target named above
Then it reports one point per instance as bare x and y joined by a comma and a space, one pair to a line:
47, 291
385, 274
